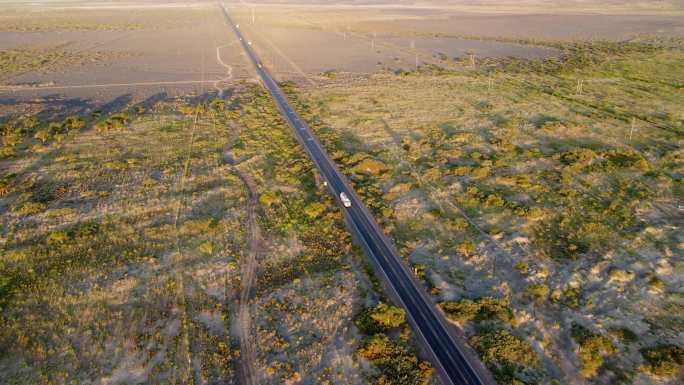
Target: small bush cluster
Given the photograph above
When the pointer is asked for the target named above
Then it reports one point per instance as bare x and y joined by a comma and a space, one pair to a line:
466, 248
380, 319
509, 357
495, 200
115, 122
590, 224
395, 363
512, 360
481, 309
538, 292
397, 366
663, 360
7, 183
592, 349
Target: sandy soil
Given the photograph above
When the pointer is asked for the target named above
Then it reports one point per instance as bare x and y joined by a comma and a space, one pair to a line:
536, 26
170, 46
295, 40
158, 58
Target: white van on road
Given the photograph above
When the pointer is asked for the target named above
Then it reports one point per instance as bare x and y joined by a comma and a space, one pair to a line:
345, 199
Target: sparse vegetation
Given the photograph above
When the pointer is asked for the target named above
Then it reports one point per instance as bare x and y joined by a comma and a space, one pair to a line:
593, 347
16, 61
140, 235
510, 358
538, 292
380, 318
481, 309
663, 360
397, 366
507, 168
179, 224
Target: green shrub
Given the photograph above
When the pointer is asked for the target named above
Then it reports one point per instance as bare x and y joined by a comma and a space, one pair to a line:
30, 208
538, 292
199, 226
54, 127
380, 318
507, 355
206, 248
85, 229
58, 238
74, 123
466, 248
420, 270
592, 348
481, 309
481, 172
461, 311
330, 74
619, 275
388, 316
522, 267
103, 126
571, 298
619, 159
269, 198
30, 122
494, 200
218, 104
42, 135
12, 139
396, 365
7, 183
116, 121
119, 120
578, 155
314, 210
60, 212
663, 360
458, 224
7, 152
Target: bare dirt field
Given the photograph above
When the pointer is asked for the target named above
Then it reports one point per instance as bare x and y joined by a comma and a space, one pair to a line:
135, 50
297, 40
124, 53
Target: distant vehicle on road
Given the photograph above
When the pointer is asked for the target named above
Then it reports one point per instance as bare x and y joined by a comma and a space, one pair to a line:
345, 199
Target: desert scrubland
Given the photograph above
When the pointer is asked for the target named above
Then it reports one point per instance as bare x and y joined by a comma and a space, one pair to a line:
159, 223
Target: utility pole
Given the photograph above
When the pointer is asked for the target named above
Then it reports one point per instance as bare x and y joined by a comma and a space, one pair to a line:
252, 15
631, 130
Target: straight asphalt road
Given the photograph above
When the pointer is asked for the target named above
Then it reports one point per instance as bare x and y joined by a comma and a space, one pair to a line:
455, 362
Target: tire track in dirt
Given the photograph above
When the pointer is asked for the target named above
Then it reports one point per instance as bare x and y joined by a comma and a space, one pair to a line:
229, 68
247, 372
